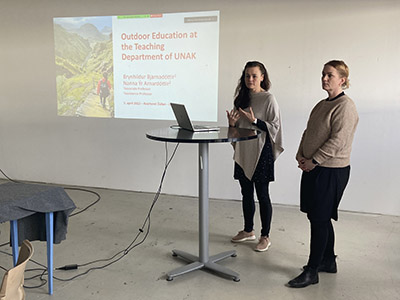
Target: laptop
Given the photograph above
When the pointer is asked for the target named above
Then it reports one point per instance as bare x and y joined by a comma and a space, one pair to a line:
184, 122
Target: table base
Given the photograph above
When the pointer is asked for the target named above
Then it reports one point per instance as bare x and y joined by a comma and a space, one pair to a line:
196, 264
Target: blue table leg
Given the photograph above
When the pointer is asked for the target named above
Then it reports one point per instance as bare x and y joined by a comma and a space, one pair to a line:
49, 237
14, 240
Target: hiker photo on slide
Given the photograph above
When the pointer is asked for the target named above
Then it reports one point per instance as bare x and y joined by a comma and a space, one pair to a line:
103, 89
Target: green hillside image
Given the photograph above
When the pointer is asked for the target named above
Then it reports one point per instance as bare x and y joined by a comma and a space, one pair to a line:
82, 56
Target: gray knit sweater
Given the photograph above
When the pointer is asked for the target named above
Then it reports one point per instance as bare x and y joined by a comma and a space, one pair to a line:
330, 131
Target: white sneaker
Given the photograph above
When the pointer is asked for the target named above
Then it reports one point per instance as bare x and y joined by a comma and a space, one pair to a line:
263, 244
243, 236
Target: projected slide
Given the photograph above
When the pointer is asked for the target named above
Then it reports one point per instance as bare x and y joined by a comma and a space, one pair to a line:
133, 66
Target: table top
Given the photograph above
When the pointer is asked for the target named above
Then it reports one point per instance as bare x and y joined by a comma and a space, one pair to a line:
225, 134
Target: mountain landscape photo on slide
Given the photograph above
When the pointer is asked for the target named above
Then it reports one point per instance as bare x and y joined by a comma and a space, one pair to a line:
83, 53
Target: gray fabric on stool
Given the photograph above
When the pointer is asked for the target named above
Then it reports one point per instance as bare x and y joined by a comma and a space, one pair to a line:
28, 203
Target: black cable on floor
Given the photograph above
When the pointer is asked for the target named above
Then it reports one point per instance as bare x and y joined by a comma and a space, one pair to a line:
145, 228
87, 207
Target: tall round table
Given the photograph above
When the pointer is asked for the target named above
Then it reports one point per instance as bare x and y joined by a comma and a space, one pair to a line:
203, 139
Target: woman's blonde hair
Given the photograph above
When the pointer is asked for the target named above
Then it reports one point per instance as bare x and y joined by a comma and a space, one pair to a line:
342, 69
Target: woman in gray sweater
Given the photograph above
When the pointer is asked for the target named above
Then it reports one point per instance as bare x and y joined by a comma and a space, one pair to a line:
324, 158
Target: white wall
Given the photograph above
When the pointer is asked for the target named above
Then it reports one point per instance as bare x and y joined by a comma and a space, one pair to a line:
293, 38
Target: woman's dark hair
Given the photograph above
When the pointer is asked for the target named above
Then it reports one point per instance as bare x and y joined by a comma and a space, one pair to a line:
242, 93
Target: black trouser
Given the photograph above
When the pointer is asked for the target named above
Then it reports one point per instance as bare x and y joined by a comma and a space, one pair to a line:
262, 190
322, 243
103, 100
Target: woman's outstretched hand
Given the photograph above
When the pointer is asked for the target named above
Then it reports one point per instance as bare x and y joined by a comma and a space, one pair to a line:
248, 115
232, 116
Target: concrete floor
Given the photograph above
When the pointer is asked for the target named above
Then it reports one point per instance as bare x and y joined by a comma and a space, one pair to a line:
367, 247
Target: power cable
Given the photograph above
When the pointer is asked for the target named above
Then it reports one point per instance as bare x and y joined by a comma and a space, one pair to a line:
145, 228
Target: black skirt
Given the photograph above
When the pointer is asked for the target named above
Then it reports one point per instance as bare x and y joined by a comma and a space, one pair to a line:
264, 171
321, 191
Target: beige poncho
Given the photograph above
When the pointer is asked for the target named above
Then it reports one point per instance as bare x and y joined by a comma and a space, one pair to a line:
247, 153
